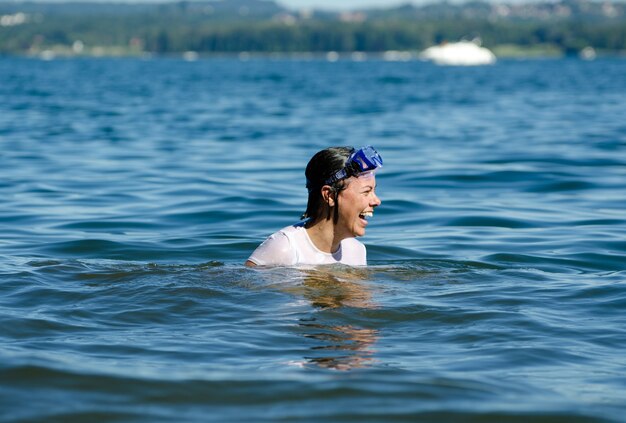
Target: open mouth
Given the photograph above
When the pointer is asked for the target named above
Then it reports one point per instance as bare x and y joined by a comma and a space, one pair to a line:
366, 215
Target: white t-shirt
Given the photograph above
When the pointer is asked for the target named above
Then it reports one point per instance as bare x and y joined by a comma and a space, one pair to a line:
292, 246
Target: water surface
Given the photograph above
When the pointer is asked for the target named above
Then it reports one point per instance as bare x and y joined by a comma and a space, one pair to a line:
132, 191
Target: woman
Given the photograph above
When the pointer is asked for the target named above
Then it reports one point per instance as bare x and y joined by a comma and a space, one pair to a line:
342, 196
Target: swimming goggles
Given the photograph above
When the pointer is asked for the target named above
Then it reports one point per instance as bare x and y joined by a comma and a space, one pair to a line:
363, 160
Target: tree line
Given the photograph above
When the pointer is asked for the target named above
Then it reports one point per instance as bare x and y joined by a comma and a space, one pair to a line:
168, 33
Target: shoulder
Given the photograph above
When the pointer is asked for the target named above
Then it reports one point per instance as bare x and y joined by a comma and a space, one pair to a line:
353, 252
296, 230
276, 250
353, 244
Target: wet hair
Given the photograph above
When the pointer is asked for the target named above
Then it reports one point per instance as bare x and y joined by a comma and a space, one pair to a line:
322, 166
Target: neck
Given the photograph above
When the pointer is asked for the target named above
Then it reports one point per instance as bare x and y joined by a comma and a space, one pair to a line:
323, 235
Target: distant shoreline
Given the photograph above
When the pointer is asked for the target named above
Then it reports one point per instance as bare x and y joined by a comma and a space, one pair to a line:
501, 52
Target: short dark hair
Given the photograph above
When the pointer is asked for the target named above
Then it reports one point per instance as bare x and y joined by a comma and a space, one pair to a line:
320, 168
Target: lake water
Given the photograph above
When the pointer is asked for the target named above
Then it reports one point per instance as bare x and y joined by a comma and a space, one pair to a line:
133, 190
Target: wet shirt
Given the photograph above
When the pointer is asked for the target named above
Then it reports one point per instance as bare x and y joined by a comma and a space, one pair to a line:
292, 246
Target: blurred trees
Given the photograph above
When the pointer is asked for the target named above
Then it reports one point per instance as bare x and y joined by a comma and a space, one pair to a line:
185, 26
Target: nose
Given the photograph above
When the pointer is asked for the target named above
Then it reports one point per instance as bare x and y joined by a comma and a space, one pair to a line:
375, 201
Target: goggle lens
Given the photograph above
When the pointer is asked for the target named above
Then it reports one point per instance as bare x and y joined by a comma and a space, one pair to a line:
367, 158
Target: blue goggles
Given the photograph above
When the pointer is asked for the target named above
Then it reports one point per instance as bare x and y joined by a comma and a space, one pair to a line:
363, 160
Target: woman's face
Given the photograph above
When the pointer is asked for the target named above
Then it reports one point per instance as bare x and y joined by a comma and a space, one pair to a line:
356, 205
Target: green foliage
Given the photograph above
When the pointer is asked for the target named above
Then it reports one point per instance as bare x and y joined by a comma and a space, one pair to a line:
197, 26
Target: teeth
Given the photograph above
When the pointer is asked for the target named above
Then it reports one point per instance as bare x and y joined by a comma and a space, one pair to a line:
367, 215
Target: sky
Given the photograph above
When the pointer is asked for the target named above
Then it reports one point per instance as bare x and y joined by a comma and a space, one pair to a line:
326, 4
342, 4
361, 4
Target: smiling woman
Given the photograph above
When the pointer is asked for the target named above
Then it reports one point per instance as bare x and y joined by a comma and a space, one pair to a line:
342, 195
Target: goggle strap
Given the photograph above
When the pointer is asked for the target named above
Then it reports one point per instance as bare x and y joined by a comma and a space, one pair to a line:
338, 176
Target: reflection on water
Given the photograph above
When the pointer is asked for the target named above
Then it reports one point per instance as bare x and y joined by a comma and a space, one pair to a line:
347, 348
344, 346
328, 288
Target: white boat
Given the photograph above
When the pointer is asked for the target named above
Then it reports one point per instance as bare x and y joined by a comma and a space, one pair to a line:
462, 53
588, 53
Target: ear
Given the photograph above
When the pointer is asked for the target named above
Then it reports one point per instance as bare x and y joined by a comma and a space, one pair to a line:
328, 195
